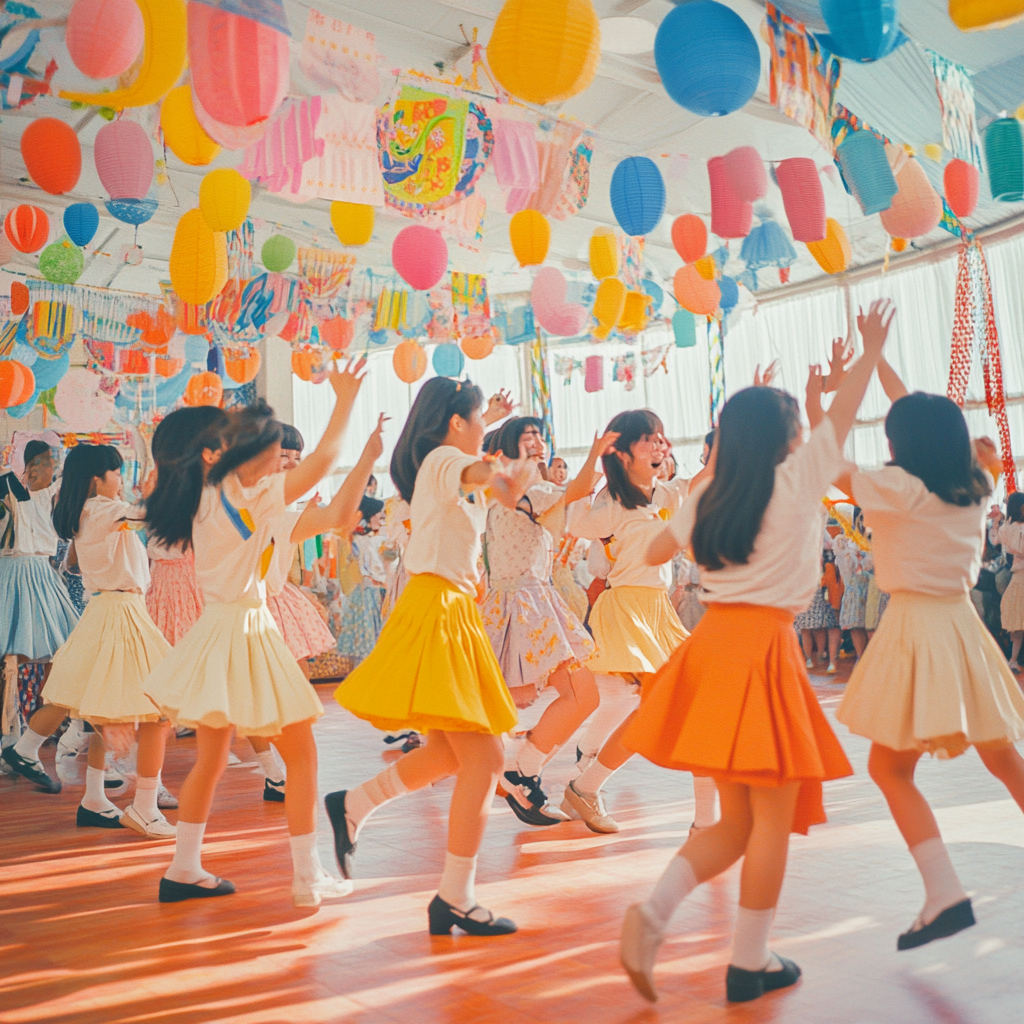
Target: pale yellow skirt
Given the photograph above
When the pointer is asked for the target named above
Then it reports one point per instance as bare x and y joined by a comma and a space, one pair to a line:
1011, 608
99, 670
636, 629
933, 679
233, 668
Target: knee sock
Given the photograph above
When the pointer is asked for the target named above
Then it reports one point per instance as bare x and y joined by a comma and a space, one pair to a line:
306, 858
618, 699
271, 768
144, 800
704, 793
528, 760
591, 781
750, 943
28, 745
942, 887
676, 883
187, 865
95, 798
361, 802
457, 882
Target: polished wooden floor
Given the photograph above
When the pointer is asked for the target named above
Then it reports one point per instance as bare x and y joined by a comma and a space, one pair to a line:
83, 940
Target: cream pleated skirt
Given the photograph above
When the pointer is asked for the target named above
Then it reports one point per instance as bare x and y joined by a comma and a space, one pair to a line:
636, 629
1011, 608
933, 679
233, 668
99, 671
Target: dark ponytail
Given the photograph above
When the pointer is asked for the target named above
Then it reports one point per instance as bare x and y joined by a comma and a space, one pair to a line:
84, 462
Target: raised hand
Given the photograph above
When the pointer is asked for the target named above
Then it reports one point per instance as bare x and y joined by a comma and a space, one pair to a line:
764, 380
498, 407
839, 361
347, 382
812, 400
874, 327
374, 448
602, 445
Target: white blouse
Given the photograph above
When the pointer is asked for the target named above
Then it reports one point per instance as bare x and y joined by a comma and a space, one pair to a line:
33, 523
110, 552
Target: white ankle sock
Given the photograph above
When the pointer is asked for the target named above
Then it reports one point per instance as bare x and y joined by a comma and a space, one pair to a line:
28, 745
942, 888
750, 943
187, 865
362, 801
591, 781
306, 858
95, 798
676, 883
271, 768
457, 882
618, 699
144, 800
529, 760
704, 793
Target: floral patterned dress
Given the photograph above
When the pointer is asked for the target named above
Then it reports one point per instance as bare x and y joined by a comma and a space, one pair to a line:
361, 621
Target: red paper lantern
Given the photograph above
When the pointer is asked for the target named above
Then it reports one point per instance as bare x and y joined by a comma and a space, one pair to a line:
337, 333
17, 383
961, 182
916, 208
803, 197
124, 159
20, 298
409, 361
731, 217
204, 388
690, 237
420, 256
52, 155
28, 228
696, 294
747, 176
104, 36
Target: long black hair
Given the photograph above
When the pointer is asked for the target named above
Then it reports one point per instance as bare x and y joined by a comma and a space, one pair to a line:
631, 427
1015, 507
83, 464
507, 441
755, 432
178, 445
439, 400
929, 439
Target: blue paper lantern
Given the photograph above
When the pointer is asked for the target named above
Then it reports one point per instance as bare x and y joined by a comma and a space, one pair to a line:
50, 372
448, 360
863, 30
197, 349
1004, 154
638, 195
866, 171
708, 58
656, 292
684, 327
81, 221
132, 211
730, 293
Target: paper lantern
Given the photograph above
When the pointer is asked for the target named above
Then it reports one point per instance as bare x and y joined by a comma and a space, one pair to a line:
545, 51
104, 36
593, 374
861, 157
961, 182
971, 15
655, 293
833, 254
308, 363
17, 383
243, 369
81, 402
448, 360
62, 263
199, 260
638, 195
20, 298
278, 253
747, 176
52, 155
708, 59
862, 30
337, 333
409, 361
124, 159
420, 256
239, 64
767, 246
916, 208
530, 235
224, 198
132, 211
634, 315
694, 293
204, 388
604, 253
478, 346
352, 222
167, 366
184, 135
550, 308
81, 221
684, 328
731, 217
232, 136
898, 244
28, 228
690, 237
730, 293
705, 266
1004, 154
804, 198
608, 306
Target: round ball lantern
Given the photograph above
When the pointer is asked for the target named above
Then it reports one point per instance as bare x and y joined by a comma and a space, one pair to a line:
545, 51
604, 253
609, 303
104, 37
81, 221
448, 360
410, 361
971, 15
62, 263
530, 234
52, 155
224, 198
916, 208
124, 159
708, 59
690, 237
199, 260
833, 253
694, 293
278, 253
28, 228
420, 256
861, 157
804, 198
731, 217
638, 195
961, 183
478, 346
352, 222
337, 333
242, 369
17, 383
863, 30
1004, 154
204, 388
184, 135
746, 173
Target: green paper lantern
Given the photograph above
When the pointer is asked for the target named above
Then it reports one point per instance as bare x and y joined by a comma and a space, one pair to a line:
684, 327
1004, 154
278, 253
62, 262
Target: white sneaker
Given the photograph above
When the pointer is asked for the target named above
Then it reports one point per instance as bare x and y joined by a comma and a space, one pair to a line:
831, 670
158, 828
326, 887
590, 810
638, 951
72, 743
165, 799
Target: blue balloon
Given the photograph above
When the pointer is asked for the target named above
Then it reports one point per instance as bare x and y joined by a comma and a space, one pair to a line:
132, 211
730, 293
50, 372
81, 221
638, 195
448, 360
863, 30
708, 58
656, 292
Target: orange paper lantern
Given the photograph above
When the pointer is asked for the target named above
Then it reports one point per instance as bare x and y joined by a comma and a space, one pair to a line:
20, 298
337, 333
916, 208
28, 228
696, 294
833, 253
961, 182
17, 383
690, 237
307, 361
204, 388
52, 155
478, 346
165, 366
243, 369
409, 361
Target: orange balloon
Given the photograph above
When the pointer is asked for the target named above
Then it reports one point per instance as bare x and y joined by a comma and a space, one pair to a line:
696, 294
204, 388
690, 237
478, 347
19, 298
409, 361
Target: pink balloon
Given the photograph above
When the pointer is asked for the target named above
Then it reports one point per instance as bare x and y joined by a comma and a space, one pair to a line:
553, 313
124, 159
104, 36
420, 256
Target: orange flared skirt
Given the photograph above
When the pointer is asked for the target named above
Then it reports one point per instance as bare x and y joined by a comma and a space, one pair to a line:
734, 703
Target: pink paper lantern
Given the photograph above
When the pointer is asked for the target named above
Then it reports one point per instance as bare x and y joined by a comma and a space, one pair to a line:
420, 256
552, 311
124, 159
228, 136
239, 65
804, 198
731, 217
514, 158
916, 208
594, 379
104, 36
745, 171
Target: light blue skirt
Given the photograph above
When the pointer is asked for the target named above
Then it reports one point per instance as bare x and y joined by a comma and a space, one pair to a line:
36, 613
360, 623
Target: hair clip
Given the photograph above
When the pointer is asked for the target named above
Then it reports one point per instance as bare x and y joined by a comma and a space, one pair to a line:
458, 386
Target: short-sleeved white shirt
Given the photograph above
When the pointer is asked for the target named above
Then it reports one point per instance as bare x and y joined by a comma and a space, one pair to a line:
110, 552
33, 523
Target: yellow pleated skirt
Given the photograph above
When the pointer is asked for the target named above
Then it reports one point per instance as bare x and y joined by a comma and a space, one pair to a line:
636, 629
933, 679
233, 668
432, 667
99, 671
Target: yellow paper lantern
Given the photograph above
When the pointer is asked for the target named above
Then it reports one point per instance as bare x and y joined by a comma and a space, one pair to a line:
352, 222
530, 235
224, 198
545, 51
604, 254
970, 15
634, 313
608, 305
199, 260
183, 133
833, 252
706, 267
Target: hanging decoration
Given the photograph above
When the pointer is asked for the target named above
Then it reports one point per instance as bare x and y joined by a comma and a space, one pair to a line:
204, 388
655, 359
833, 254
694, 293
124, 159
540, 390
959, 119
472, 310
604, 253
199, 259
551, 307
746, 174
961, 183
690, 237
624, 370
563, 158
81, 221
17, 383
409, 361
83, 400
352, 222
277, 160
132, 211
638, 195
530, 234
185, 136
278, 253
448, 360
684, 328
971, 15
767, 245
28, 228
635, 314
324, 272
865, 167
62, 263
594, 374
104, 37
224, 198
515, 161
228, 136
716, 369
52, 155
609, 303
730, 293
804, 198
340, 56
1004, 155
862, 30
420, 256
916, 208
731, 217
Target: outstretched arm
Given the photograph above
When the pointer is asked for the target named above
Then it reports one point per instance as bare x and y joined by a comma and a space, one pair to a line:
663, 548
812, 401
506, 485
893, 387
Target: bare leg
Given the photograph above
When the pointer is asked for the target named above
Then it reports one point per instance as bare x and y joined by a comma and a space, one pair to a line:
481, 759
764, 863
1006, 764
860, 641
712, 850
259, 744
819, 641
834, 636
97, 752
152, 742
298, 748
807, 644
46, 721
577, 700
1015, 638
196, 797
893, 773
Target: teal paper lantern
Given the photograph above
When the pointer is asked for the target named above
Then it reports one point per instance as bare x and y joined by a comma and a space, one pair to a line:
863, 30
81, 221
866, 171
684, 327
50, 372
1004, 154
448, 360
638, 195
62, 263
278, 254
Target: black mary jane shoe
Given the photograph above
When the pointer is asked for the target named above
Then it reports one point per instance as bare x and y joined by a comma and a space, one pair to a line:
31, 770
273, 792
178, 892
742, 986
443, 917
536, 812
952, 920
93, 819
344, 848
